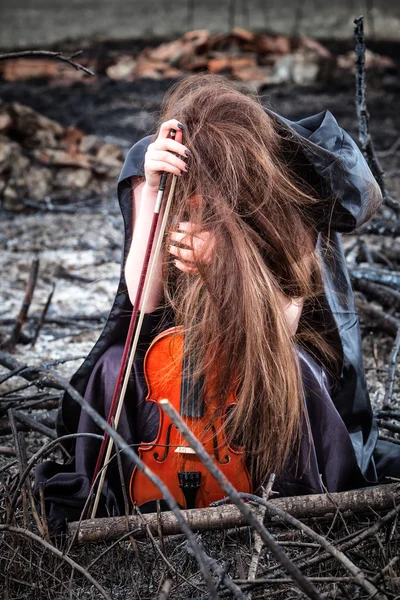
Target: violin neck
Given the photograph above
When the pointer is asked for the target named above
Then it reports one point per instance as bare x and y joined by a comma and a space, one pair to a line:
192, 392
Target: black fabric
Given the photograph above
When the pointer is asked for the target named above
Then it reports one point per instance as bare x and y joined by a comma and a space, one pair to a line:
336, 162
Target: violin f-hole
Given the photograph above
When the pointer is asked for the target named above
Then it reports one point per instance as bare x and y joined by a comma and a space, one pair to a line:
156, 455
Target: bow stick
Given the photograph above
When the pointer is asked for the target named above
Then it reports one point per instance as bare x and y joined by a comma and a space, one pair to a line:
146, 278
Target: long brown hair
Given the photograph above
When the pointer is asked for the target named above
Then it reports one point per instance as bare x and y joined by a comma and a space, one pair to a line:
257, 207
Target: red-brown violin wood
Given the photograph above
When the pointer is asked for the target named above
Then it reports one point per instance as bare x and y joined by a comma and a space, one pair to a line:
169, 456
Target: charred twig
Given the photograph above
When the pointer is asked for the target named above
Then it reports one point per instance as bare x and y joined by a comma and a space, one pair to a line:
7, 451
382, 276
74, 565
42, 316
14, 372
389, 426
126, 500
43, 452
20, 469
392, 371
382, 227
166, 588
348, 544
234, 497
382, 294
358, 574
391, 414
258, 544
235, 591
160, 552
22, 450
68, 320
377, 318
40, 424
363, 115
48, 54
23, 313
391, 150
35, 425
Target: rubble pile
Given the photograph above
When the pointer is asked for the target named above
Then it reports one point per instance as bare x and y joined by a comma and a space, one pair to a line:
41, 161
251, 57
262, 59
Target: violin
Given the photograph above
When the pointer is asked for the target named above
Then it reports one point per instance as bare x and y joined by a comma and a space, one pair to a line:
168, 375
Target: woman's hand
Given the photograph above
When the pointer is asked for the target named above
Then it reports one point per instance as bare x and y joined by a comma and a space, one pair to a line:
161, 155
199, 246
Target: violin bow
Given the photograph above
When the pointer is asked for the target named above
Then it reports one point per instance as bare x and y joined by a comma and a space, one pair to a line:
146, 278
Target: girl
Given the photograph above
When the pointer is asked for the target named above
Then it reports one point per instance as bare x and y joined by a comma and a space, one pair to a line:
254, 270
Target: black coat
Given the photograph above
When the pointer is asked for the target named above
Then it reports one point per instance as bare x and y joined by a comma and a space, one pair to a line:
335, 160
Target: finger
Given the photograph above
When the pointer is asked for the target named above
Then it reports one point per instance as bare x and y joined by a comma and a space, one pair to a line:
167, 157
186, 268
166, 127
171, 146
181, 238
182, 253
189, 227
157, 167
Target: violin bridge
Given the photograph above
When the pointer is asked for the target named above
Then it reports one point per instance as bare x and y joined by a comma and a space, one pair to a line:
184, 450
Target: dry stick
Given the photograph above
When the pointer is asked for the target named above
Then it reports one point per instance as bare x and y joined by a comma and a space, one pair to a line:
22, 447
161, 553
377, 318
258, 544
354, 541
363, 115
44, 450
234, 589
378, 498
109, 548
126, 501
23, 313
389, 414
14, 372
234, 497
35, 425
43, 316
165, 590
260, 582
32, 536
7, 451
392, 371
43, 513
20, 467
53, 380
384, 295
382, 276
48, 54
389, 426
359, 576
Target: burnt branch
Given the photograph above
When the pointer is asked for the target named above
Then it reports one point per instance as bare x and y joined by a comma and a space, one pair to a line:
364, 134
23, 313
48, 54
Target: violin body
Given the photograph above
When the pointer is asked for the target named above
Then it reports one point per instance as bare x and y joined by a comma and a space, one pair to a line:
169, 455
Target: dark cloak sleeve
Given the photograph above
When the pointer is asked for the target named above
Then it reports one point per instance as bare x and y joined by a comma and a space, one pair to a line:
338, 162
